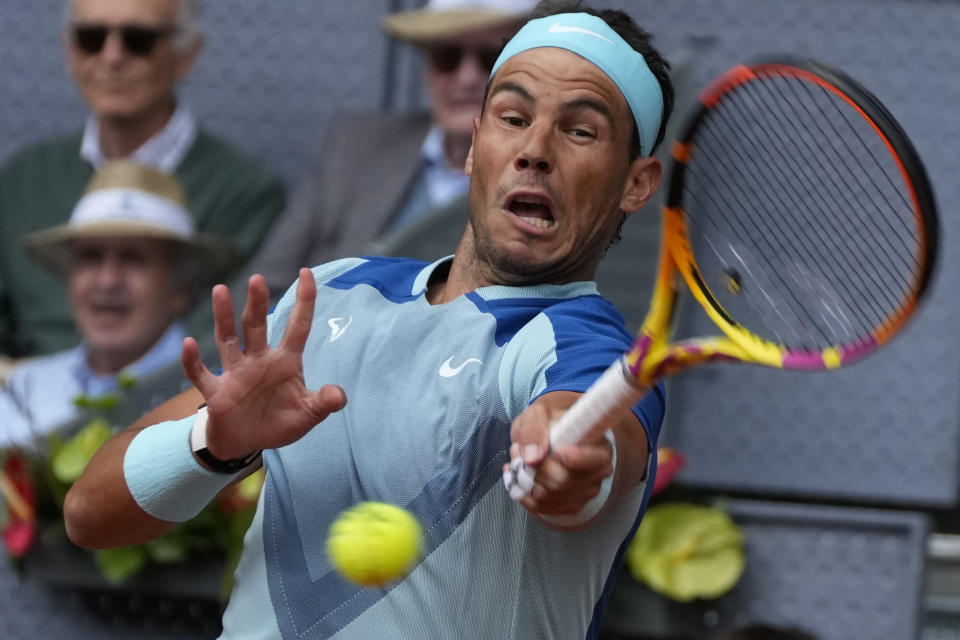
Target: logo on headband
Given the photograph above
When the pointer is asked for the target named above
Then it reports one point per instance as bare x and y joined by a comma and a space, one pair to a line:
559, 28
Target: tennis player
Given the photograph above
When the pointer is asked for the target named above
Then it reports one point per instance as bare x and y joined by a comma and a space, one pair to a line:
447, 366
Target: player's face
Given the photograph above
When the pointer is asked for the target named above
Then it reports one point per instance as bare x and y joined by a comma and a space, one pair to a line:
115, 81
123, 294
551, 170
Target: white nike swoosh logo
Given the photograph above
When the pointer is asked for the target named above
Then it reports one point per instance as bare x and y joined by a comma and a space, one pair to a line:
448, 371
335, 329
560, 28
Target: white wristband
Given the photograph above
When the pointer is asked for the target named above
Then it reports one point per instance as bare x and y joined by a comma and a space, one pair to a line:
198, 432
163, 475
596, 503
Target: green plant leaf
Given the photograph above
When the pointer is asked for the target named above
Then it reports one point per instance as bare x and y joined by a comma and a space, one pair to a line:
118, 564
126, 380
686, 551
106, 402
169, 549
72, 458
55, 442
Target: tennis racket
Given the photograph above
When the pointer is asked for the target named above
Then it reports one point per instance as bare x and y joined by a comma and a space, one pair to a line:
801, 220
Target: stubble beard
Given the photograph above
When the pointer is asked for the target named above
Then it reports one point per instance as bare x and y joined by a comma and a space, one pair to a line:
501, 266
496, 263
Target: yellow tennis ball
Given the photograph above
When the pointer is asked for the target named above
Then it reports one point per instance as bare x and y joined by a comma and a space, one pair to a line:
374, 543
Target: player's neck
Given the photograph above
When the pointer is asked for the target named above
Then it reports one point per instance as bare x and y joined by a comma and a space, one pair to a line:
444, 290
470, 271
463, 275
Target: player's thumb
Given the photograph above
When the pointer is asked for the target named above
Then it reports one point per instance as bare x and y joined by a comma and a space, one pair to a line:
328, 399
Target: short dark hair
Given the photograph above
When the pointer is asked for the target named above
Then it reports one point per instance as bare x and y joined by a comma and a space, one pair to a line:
642, 43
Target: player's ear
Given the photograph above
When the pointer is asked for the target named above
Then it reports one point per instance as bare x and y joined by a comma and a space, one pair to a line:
643, 178
468, 165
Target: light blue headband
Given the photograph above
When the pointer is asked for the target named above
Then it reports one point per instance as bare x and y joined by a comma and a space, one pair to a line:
591, 38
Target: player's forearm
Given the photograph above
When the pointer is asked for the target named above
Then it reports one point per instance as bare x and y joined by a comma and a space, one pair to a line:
99, 511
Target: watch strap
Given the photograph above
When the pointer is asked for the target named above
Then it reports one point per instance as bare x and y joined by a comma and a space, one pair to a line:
198, 444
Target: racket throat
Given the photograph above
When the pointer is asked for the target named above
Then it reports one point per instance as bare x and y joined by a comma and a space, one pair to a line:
604, 404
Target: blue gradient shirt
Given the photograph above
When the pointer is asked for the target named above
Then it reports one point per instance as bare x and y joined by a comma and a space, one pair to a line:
432, 392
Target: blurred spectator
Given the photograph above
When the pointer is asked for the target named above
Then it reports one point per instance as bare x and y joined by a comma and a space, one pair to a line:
376, 172
132, 263
126, 57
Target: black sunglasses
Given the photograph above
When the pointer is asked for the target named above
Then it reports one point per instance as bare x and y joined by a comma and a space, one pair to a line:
137, 40
448, 58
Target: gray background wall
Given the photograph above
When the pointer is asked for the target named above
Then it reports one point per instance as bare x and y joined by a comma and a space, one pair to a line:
884, 432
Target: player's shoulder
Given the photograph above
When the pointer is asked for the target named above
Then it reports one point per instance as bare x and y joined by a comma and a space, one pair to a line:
577, 323
586, 314
398, 279
577, 328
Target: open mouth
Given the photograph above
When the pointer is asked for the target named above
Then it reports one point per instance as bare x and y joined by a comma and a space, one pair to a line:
533, 209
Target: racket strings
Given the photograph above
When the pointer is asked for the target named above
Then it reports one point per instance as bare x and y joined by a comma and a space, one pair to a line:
723, 192
769, 234
839, 192
891, 186
832, 236
858, 173
875, 210
770, 309
832, 317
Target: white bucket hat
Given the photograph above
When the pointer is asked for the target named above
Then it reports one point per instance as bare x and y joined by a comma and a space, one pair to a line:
125, 199
443, 19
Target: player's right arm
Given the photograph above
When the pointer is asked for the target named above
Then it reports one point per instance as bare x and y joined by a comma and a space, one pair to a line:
146, 479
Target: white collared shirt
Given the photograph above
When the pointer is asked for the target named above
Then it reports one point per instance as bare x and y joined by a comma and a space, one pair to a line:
39, 394
444, 182
438, 184
164, 150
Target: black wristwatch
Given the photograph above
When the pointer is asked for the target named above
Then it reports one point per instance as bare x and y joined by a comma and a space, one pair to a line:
198, 444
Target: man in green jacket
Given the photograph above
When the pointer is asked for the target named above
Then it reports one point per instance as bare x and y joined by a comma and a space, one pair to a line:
126, 57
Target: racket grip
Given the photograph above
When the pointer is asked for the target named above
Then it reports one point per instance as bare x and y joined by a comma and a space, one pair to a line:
605, 402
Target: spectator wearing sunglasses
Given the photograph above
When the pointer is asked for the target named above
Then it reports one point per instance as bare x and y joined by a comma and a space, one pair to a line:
126, 58
375, 173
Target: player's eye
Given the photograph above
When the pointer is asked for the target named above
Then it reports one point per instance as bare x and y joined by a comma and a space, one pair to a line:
582, 133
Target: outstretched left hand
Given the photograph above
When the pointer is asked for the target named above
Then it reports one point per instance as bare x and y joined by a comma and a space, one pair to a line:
259, 401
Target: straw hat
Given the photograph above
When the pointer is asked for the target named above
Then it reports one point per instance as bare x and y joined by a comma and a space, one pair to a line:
443, 19
124, 199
